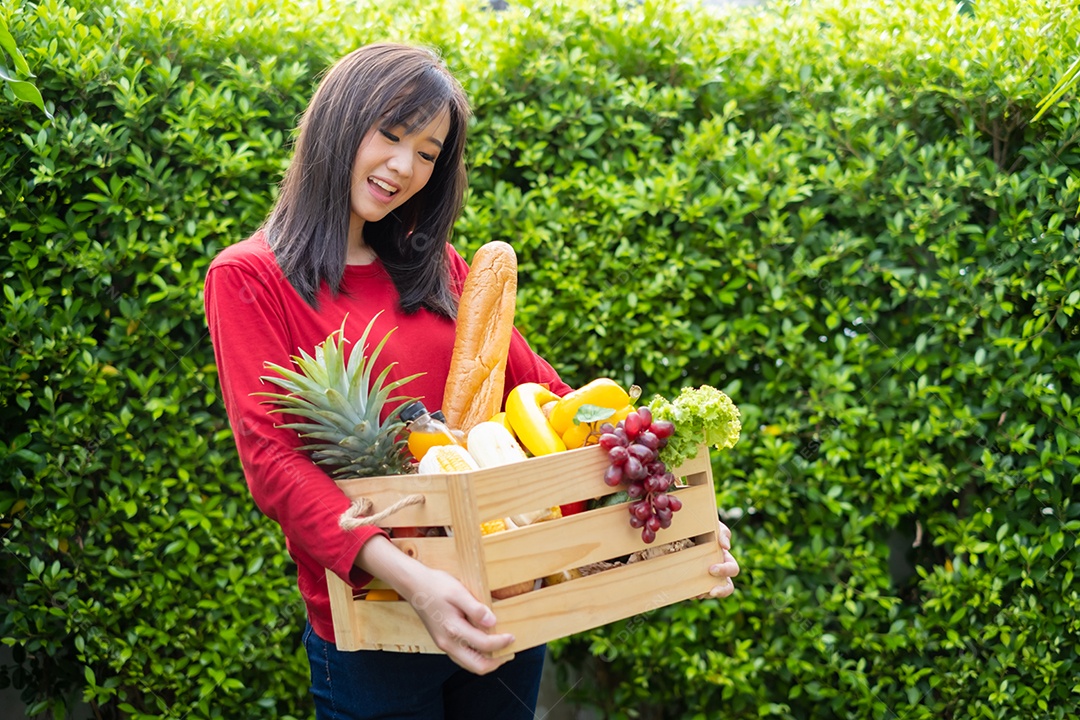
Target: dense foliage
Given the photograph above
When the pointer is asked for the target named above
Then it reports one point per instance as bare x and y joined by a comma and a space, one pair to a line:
835, 211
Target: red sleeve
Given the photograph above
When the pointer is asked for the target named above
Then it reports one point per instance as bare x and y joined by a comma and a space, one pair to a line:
522, 364
248, 327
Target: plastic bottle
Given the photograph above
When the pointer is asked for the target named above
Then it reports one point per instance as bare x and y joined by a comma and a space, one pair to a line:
425, 431
458, 435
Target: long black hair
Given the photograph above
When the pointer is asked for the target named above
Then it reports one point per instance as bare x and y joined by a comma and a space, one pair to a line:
381, 85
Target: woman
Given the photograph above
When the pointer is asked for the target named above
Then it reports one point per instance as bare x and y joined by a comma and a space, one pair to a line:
361, 227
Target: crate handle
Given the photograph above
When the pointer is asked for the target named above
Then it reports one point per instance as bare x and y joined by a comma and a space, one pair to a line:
357, 514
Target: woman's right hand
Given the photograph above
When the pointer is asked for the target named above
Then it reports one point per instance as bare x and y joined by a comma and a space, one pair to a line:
456, 621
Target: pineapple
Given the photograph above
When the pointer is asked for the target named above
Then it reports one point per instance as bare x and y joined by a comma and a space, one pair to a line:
341, 405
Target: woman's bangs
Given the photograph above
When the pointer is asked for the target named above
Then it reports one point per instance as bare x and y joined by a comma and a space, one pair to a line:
421, 101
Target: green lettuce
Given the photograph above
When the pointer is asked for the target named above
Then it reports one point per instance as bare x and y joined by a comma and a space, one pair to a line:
701, 415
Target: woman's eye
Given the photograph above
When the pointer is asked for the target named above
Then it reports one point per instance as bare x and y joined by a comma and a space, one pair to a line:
428, 156
389, 135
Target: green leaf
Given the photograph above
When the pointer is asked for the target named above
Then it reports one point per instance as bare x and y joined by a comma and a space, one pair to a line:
1068, 79
24, 91
7, 42
592, 413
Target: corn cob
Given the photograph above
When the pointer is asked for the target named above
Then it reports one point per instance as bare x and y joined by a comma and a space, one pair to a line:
447, 459
492, 526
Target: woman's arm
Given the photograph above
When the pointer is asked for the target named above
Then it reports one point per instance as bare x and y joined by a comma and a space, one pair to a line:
248, 327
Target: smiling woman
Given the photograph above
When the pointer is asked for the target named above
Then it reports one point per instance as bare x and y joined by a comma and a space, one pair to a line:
359, 239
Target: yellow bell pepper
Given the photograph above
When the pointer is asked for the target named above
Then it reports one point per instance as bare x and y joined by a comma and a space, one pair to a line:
583, 434
527, 419
620, 414
576, 436
602, 391
380, 595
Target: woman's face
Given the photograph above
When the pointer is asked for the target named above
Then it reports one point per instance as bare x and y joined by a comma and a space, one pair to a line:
392, 164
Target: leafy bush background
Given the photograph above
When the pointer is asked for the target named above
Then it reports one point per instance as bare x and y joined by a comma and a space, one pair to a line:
835, 211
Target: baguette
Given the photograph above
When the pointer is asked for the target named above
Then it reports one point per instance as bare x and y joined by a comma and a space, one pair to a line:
485, 321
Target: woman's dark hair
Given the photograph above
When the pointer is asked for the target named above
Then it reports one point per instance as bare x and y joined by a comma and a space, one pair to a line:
382, 85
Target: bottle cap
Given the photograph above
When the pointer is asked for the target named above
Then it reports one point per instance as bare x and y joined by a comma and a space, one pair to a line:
438, 415
412, 411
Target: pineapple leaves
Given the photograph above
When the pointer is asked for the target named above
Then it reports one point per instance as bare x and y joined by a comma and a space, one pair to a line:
342, 406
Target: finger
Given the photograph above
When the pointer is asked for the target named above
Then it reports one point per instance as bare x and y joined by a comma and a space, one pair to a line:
723, 590
471, 650
485, 644
478, 639
476, 612
485, 664
729, 567
725, 536
467, 635
479, 664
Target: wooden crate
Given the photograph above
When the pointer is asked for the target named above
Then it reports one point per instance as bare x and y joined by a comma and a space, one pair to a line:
463, 500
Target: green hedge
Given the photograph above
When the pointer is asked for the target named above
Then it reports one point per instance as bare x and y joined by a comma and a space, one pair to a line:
836, 211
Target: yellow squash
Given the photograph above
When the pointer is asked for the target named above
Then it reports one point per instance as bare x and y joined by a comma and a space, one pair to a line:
528, 421
501, 419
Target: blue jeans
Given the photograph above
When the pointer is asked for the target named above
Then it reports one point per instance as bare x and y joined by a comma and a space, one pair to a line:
370, 684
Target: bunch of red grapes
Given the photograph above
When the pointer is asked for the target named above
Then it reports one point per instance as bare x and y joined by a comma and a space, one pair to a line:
633, 446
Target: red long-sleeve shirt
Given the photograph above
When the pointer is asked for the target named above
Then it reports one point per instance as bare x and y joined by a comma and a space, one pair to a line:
255, 316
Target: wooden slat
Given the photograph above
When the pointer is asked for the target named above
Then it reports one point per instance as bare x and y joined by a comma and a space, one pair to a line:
550, 547
385, 491
391, 626
696, 465
541, 482
589, 602
438, 553
470, 550
530, 485
556, 479
552, 612
348, 632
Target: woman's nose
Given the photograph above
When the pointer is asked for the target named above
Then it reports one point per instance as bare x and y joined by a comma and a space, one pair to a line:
401, 163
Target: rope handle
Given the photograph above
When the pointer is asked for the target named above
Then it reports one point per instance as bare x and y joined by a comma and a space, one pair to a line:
357, 514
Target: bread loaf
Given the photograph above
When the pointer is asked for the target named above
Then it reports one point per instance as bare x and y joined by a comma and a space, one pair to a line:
485, 321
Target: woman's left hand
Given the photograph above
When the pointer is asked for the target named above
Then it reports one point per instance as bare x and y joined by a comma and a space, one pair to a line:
727, 569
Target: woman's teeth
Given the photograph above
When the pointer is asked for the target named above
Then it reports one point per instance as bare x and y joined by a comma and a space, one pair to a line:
379, 183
